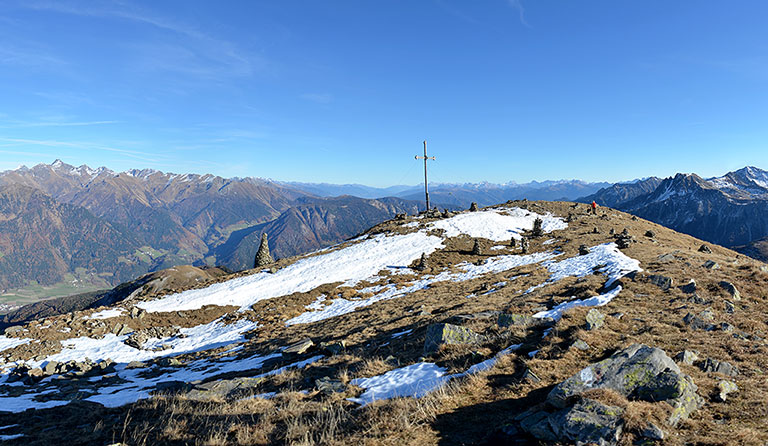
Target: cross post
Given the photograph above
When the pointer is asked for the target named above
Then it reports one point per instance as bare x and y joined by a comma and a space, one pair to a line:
425, 158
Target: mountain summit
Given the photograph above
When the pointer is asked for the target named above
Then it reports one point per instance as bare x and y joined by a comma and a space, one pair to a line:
437, 329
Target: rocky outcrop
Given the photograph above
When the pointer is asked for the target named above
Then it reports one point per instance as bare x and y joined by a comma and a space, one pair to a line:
449, 334
638, 372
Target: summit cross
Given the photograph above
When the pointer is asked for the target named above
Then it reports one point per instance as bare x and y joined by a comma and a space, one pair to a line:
425, 158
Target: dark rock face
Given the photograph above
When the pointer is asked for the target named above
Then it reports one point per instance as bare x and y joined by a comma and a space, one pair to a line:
660, 281
448, 334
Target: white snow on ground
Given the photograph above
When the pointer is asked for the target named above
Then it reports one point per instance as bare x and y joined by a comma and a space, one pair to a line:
497, 224
6, 342
357, 262
350, 265
401, 333
201, 337
596, 301
340, 306
10, 437
415, 380
106, 314
606, 257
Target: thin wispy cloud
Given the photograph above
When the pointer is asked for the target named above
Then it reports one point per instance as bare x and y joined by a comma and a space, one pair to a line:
141, 156
27, 124
518, 5
194, 57
320, 98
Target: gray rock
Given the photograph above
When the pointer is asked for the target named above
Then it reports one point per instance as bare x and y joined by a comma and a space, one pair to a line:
300, 347
448, 334
16, 330
710, 365
660, 281
521, 320
726, 327
653, 432
689, 288
701, 321
334, 348
537, 424
709, 264
595, 319
583, 250
530, 376
51, 368
637, 371
730, 289
724, 387
473, 207
227, 389
730, 308
650, 234
705, 249
135, 365
329, 386
138, 338
580, 345
668, 257
588, 422
687, 357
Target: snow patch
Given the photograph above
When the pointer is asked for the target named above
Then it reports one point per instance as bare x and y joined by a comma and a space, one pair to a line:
106, 314
8, 343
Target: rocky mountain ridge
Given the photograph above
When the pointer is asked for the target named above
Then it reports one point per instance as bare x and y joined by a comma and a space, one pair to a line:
731, 210
528, 322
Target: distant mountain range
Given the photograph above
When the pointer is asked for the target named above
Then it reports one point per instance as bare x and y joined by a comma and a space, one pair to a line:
462, 195
731, 210
86, 228
68, 229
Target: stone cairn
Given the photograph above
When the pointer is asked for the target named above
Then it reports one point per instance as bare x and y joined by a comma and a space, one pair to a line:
422, 265
473, 207
537, 231
263, 257
524, 245
512, 242
476, 248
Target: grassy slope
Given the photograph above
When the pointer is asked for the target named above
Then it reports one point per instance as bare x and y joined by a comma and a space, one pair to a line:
467, 411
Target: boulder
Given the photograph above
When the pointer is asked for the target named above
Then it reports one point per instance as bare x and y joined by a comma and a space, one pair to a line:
705, 249
687, 357
588, 422
595, 319
580, 345
730, 289
300, 347
724, 387
710, 365
709, 264
730, 308
329, 386
583, 250
639, 372
689, 288
650, 234
225, 389
701, 321
448, 334
660, 281
521, 320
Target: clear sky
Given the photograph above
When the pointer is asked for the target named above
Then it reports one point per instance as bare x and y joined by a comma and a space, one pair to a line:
346, 91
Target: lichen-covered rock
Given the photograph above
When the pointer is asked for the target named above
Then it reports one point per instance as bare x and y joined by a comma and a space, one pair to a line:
595, 319
639, 372
588, 422
724, 387
225, 389
580, 345
448, 334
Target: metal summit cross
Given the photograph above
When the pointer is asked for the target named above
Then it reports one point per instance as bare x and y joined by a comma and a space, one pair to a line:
425, 158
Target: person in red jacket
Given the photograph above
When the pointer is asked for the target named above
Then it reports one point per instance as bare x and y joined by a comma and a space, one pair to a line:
594, 207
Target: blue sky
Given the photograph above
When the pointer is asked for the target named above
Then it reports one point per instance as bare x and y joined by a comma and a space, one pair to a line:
346, 91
